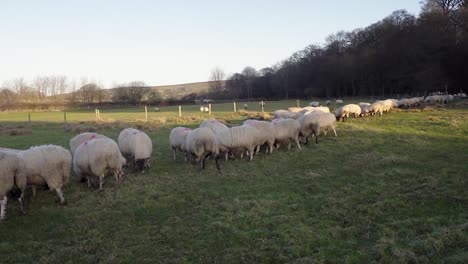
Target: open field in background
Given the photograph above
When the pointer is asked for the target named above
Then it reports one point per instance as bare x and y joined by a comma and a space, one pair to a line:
389, 190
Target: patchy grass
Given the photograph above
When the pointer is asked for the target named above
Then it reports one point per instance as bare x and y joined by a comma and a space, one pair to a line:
386, 190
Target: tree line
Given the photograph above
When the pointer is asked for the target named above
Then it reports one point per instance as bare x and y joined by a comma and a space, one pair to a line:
400, 55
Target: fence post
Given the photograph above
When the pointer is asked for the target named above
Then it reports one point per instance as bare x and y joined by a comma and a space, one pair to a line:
95, 112
65, 117
180, 111
298, 103
29, 118
263, 111
146, 112
235, 110
209, 109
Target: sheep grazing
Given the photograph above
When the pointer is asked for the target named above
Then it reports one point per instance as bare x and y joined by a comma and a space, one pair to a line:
287, 114
201, 143
245, 106
240, 137
177, 139
286, 130
364, 108
339, 102
216, 126
434, 99
328, 103
265, 129
12, 177
376, 108
345, 111
448, 98
47, 165
315, 104
317, 108
96, 157
315, 123
136, 145
83, 137
204, 109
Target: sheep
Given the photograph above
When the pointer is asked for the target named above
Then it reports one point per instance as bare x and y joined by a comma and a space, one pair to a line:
204, 109
434, 99
338, 101
318, 108
315, 103
137, 146
47, 165
447, 98
202, 143
286, 114
240, 137
12, 175
80, 138
245, 106
375, 108
346, 110
96, 157
364, 108
286, 130
177, 139
315, 123
294, 109
328, 103
216, 126
265, 129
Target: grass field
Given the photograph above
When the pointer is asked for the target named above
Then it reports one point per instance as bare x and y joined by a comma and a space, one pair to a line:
386, 190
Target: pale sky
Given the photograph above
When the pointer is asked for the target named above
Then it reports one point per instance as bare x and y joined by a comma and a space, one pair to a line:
168, 42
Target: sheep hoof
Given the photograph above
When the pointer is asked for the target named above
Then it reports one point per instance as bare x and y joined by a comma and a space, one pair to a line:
65, 203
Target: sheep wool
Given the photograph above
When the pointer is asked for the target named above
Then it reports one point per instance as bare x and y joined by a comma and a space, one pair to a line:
12, 175
83, 137
95, 157
286, 130
177, 140
202, 143
136, 145
47, 164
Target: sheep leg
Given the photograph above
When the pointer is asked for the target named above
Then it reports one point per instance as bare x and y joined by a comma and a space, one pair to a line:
217, 163
185, 158
316, 138
101, 181
34, 190
297, 142
289, 146
20, 200
3, 204
117, 179
174, 152
89, 181
61, 197
226, 156
334, 131
251, 153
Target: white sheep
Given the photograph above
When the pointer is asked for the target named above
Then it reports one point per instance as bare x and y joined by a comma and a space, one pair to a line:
240, 137
315, 123
12, 175
83, 137
47, 164
295, 109
265, 129
96, 157
177, 140
216, 126
318, 108
328, 102
345, 111
202, 143
315, 104
286, 130
364, 108
338, 101
204, 109
137, 146
376, 108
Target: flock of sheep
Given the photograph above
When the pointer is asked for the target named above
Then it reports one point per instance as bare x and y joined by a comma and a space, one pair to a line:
94, 156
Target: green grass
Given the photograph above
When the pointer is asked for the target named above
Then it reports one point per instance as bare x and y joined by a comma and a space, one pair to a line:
386, 190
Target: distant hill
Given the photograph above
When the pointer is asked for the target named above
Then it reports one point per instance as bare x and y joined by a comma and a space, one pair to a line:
178, 91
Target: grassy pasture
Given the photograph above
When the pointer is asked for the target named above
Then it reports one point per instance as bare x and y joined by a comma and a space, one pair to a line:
386, 190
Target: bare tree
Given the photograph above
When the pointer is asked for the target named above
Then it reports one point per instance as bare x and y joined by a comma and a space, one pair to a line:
136, 90
217, 79
443, 6
40, 83
249, 73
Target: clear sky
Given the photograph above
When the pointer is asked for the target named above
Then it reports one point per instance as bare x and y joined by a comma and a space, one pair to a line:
168, 42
